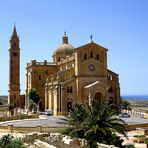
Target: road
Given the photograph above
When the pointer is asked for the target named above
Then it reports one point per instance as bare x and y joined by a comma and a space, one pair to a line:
45, 121
52, 121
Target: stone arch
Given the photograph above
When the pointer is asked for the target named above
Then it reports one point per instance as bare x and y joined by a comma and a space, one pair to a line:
99, 93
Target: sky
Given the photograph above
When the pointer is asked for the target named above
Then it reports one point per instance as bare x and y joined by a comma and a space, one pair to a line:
121, 26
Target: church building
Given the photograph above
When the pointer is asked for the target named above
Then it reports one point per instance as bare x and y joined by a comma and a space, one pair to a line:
76, 75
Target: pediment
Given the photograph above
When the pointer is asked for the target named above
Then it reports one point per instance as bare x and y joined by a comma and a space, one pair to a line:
91, 45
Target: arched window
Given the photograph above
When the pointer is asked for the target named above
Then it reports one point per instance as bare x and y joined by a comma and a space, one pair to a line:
110, 89
67, 89
91, 54
59, 59
14, 96
85, 56
97, 57
14, 44
70, 90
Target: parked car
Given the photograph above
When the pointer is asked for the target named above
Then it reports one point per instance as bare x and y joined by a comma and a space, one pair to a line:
124, 115
48, 112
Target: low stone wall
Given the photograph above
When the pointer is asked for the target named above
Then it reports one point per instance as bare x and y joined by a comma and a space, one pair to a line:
134, 126
12, 129
18, 117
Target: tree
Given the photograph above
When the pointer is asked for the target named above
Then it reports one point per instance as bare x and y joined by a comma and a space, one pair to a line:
11, 109
125, 104
34, 96
96, 123
32, 105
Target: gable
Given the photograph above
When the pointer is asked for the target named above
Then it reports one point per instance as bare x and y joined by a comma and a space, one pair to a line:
91, 45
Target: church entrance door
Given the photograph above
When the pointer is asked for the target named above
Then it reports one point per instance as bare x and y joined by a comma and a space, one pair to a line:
98, 96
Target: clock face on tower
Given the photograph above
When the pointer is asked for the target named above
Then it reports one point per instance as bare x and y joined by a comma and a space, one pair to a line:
91, 67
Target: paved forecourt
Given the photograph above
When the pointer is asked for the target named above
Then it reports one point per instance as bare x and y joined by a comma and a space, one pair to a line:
58, 121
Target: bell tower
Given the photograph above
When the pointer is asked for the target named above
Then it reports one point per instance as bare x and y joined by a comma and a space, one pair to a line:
14, 70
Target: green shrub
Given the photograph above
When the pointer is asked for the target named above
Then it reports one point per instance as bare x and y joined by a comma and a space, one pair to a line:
139, 136
8, 141
16, 143
130, 146
67, 131
146, 141
5, 140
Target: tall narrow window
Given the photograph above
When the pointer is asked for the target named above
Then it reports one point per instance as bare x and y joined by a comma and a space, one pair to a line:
67, 89
70, 89
39, 77
91, 54
97, 57
85, 56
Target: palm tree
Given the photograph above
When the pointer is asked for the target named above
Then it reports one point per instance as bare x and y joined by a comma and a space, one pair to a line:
101, 122
96, 123
77, 115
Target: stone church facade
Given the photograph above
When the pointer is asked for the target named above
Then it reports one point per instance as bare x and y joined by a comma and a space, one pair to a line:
76, 75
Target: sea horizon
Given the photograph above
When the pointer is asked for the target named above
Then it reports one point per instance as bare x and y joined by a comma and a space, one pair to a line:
136, 97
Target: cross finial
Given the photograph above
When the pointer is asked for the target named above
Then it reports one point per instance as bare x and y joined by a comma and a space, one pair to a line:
91, 38
65, 38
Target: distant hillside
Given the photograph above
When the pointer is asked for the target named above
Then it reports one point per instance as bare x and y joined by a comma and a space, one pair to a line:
137, 102
4, 99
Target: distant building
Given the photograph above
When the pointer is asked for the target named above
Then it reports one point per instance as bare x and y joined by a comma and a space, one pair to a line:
76, 75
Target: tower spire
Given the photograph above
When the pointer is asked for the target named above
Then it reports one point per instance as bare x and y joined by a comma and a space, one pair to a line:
14, 40
14, 31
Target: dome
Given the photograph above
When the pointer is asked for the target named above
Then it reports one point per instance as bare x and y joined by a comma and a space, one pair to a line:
65, 46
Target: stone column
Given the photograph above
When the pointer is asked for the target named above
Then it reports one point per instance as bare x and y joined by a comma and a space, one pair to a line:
50, 98
46, 98
89, 98
55, 98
